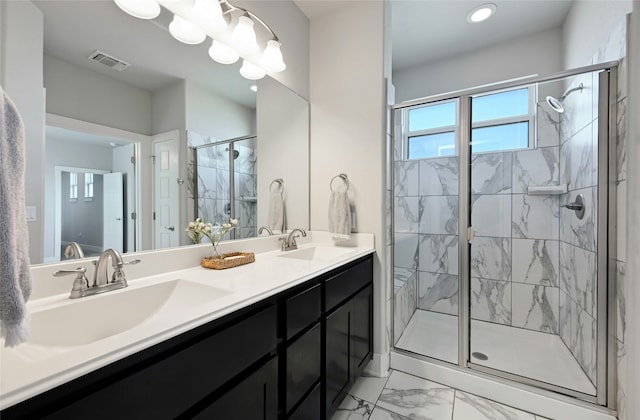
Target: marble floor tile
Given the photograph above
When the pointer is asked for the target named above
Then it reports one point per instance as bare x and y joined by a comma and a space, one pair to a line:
368, 388
382, 414
353, 408
416, 398
471, 407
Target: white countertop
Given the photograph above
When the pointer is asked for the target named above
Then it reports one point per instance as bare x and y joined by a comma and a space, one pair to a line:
31, 369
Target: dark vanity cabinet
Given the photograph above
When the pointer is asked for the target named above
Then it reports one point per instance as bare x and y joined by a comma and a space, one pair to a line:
349, 331
290, 356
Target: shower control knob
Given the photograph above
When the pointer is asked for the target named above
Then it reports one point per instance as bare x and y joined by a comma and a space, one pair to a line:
577, 206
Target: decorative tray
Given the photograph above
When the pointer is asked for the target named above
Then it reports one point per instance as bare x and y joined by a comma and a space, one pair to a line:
232, 259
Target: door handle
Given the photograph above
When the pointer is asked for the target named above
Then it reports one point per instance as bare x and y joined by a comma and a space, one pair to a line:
171, 228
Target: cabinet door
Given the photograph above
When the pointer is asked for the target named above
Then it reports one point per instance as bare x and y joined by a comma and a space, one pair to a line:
303, 366
310, 407
337, 369
361, 330
254, 398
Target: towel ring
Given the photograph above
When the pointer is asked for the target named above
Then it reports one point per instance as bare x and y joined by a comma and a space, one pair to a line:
278, 181
343, 177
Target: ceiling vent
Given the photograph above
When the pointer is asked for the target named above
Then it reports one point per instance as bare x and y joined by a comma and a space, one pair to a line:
109, 61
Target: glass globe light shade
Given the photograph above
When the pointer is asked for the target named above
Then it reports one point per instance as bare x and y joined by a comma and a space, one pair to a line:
209, 15
251, 71
272, 57
222, 54
185, 31
244, 36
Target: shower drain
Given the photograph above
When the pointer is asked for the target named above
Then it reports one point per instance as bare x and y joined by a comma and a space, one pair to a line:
479, 356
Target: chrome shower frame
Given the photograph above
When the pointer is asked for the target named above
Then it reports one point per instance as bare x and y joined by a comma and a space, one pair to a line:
605, 398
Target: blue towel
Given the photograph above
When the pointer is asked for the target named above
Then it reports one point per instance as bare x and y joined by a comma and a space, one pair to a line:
15, 277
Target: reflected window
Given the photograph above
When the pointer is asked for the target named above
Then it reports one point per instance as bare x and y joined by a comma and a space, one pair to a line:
88, 186
73, 186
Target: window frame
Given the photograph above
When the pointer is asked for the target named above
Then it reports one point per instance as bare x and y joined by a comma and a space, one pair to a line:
88, 185
455, 129
529, 118
73, 186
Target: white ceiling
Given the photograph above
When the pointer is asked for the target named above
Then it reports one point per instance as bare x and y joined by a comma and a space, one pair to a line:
424, 31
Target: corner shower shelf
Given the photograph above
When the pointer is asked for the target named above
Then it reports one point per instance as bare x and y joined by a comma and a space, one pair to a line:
548, 190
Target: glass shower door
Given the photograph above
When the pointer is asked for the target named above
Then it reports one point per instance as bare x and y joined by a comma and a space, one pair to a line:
425, 207
533, 263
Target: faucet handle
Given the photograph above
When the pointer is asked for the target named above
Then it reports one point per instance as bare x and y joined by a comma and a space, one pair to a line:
132, 262
80, 284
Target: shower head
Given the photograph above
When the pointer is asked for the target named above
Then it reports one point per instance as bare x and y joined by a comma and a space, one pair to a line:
557, 103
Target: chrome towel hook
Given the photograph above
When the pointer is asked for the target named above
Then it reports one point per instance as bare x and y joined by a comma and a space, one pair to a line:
342, 176
278, 181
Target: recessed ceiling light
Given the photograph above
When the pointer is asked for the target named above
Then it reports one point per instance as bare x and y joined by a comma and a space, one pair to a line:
481, 13
254, 88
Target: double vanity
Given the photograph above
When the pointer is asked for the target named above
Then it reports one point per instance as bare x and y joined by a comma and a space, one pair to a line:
283, 337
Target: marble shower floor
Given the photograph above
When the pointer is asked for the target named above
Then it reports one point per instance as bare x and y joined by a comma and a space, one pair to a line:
405, 397
522, 352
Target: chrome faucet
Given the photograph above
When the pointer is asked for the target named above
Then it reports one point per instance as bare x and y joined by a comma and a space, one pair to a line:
289, 243
101, 274
263, 228
101, 283
73, 250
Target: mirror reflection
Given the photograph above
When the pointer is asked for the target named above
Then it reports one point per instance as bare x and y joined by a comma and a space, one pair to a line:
151, 127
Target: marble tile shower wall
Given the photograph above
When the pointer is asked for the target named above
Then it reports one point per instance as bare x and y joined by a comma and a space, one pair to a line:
578, 271
212, 184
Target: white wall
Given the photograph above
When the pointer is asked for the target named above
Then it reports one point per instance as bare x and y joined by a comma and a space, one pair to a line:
586, 25
348, 127
283, 151
539, 53
22, 34
85, 95
210, 114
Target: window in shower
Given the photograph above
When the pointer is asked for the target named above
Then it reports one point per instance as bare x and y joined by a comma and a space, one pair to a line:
503, 120
432, 130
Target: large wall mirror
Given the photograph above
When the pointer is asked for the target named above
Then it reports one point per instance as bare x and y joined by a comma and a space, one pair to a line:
120, 168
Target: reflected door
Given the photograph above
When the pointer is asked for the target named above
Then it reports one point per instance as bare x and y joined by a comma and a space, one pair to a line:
166, 214
113, 211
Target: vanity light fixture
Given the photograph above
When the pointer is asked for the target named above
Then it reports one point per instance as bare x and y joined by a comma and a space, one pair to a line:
481, 13
232, 30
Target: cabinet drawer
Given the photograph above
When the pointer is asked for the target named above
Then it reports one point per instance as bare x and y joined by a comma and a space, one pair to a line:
174, 384
303, 365
345, 284
303, 309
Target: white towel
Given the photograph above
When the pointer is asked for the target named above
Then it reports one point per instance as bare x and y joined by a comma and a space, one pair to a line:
15, 277
276, 217
339, 215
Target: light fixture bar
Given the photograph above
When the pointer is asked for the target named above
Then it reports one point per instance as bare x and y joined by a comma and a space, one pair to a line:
231, 28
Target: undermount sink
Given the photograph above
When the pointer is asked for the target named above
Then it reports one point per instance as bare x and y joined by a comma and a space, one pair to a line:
87, 320
316, 253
